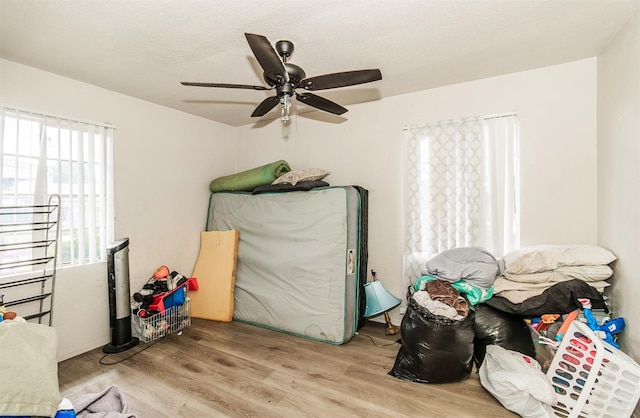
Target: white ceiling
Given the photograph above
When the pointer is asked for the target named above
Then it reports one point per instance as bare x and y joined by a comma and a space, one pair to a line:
144, 48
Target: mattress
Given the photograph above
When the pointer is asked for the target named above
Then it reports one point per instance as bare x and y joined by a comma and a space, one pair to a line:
299, 264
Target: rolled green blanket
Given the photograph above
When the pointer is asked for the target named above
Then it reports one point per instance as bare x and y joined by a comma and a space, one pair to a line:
248, 180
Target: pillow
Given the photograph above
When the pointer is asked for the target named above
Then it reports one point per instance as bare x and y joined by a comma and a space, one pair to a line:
307, 174
550, 257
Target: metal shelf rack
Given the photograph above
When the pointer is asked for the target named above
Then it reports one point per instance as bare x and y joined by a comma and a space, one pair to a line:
28, 248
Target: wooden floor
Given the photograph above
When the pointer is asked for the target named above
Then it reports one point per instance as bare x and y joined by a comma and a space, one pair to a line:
237, 370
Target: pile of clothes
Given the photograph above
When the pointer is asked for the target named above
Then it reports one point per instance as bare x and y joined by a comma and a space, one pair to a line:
440, 298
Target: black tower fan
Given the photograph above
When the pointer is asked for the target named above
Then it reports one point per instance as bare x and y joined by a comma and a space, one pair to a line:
119, 303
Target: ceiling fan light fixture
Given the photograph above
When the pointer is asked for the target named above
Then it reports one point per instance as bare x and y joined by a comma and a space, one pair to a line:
285, 106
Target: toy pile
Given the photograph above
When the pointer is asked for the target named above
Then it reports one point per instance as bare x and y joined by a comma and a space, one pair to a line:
162, 291
554, 327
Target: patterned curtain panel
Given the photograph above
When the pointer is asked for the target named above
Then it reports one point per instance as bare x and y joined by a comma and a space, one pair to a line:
457, 184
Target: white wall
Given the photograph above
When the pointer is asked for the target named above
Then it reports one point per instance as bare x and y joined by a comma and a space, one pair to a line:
619, 171
557, 113
164, 161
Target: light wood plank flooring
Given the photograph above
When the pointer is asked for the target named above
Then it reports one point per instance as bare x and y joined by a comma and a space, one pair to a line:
233, 369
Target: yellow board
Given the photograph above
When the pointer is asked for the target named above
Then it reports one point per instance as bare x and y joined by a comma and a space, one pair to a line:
215, 271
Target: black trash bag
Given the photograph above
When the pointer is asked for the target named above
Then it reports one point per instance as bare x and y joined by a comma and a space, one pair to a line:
509, 331
434, 349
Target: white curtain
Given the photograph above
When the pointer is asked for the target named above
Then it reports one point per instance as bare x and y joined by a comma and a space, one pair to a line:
43, 155
461, 188
501, 232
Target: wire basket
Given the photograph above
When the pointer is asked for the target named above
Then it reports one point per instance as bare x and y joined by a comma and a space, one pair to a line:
592, 378
163, 323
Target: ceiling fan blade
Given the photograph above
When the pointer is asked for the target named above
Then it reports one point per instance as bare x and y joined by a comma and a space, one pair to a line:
266, 105
224, 85
343, 79
267, 58
321, 103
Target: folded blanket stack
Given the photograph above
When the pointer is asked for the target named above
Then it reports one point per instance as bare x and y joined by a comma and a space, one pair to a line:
530, 271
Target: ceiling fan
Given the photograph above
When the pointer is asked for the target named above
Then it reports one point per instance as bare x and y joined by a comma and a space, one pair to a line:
285, 78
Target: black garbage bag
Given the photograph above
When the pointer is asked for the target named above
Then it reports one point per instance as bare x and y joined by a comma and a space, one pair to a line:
435, 349
509, 331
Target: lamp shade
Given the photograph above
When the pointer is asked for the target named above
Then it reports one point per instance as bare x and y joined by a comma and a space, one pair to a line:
378, 299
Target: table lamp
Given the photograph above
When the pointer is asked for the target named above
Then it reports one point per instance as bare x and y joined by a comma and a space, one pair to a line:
379, 300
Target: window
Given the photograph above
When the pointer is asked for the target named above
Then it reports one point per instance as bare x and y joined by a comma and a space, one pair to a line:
462, 188
44, 155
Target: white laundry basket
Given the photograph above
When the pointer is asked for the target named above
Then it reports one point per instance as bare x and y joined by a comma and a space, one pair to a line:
163, 323
592, 378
